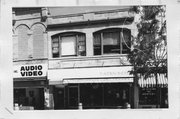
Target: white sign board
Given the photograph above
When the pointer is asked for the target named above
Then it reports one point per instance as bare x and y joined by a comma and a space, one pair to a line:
104, 72
32, 70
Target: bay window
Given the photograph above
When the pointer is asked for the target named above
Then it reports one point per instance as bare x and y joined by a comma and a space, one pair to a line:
68, 44
112, 41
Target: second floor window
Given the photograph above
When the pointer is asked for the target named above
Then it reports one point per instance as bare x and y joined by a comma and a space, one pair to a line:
112, 41
68, 44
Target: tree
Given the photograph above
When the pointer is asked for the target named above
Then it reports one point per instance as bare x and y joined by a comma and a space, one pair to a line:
149, 46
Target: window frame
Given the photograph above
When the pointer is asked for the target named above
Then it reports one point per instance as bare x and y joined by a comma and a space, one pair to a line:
60, 46
68, 34
111, 30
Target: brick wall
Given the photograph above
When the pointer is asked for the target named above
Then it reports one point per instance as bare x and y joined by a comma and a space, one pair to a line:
23, 38
38, 41
29, 38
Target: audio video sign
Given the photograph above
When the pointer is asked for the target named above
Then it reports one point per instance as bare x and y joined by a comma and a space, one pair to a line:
35, 70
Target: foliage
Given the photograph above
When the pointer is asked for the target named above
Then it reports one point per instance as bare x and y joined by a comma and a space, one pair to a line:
149, 46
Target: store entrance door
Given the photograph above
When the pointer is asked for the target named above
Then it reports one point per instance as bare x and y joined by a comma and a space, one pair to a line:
59, 98
73, 96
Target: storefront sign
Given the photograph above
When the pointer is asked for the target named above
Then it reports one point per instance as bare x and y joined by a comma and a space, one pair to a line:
105, 72
34, 70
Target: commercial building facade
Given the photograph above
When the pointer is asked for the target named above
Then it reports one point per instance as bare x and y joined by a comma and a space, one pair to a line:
83, 51
29, 58
88, 58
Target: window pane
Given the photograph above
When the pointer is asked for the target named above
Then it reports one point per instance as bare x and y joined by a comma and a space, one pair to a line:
82, 45
55, 50
55, 46
68, 45
55, 39
147, 96
91, 95
97, 44
111, 43
116, 94
73, 97
126, 43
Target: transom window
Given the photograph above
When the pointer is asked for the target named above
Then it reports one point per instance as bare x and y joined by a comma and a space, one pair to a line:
68, 44
112, 41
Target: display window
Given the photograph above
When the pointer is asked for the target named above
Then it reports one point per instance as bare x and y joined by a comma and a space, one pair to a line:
149, 96
92, 96
29, 98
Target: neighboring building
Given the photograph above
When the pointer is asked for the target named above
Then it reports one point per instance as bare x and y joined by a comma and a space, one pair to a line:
29, 57
88, 65
78, 57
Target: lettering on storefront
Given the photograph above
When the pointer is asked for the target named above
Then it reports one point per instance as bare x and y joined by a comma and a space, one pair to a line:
105, 72
34, 70
31, 70
113, 73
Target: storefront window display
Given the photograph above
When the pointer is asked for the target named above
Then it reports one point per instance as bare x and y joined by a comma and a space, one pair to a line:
29, 98
92, 96
148, 97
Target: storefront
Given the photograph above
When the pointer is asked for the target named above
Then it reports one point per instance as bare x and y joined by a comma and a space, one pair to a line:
30, 81
150, 92
91, 88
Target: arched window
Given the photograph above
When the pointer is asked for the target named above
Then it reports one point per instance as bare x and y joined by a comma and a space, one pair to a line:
69, 44
112, 41
23, 38
38, 41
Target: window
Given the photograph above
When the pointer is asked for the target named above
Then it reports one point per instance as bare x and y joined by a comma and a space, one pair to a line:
112, 41
92, 96
68, 44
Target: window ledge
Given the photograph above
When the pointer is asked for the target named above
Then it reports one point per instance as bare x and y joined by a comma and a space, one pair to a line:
31, 59
91, 57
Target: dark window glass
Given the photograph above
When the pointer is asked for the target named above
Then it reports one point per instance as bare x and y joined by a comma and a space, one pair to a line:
147, 96
112, 41
126, 41
81, 45
97, 44
93, 96
55, 46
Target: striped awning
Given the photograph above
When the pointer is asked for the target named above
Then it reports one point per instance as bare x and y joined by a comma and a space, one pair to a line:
151, 81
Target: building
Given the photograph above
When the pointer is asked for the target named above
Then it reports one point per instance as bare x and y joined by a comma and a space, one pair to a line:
30, 57
88, 64
82, 54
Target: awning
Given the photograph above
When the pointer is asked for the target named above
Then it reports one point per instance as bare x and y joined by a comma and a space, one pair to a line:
151, 81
